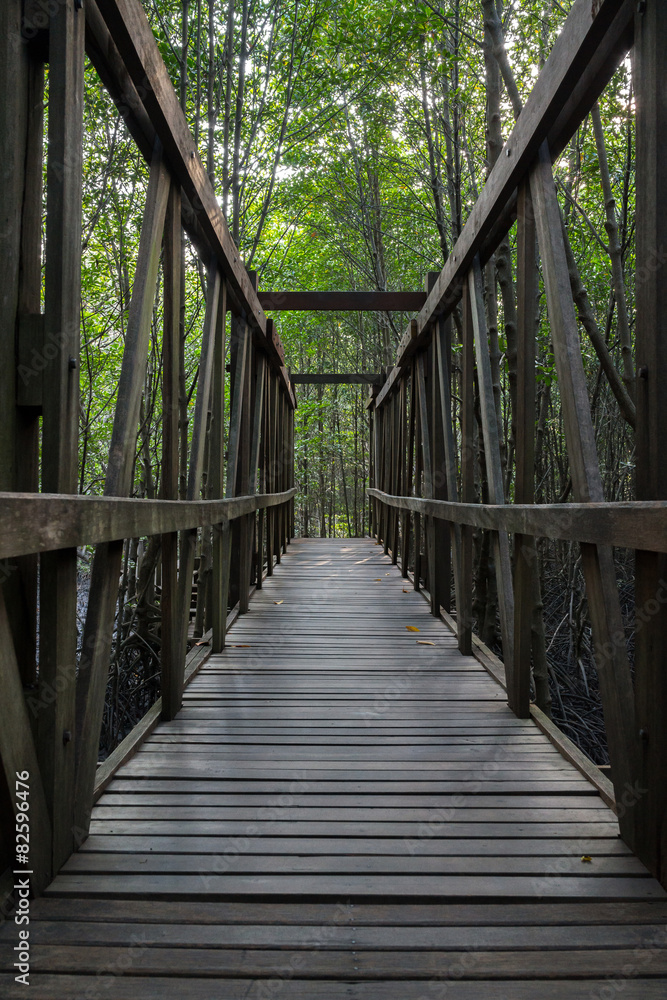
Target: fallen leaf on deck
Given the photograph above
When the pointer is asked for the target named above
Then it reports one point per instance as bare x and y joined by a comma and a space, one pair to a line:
412, 628
207, 643
405, 591
424, 642
379, 580
586, 858
242, 647
278, 602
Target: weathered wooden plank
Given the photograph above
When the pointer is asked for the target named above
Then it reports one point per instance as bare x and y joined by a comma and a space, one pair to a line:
423, 914
154, 863
344, 936
329, 846
61, 521
128, 987
639, 524
342, 886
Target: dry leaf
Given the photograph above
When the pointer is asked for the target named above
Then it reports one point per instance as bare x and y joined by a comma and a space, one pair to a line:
207, 643
379, 580
412, 628
587, 858
278, 602
243, 647
405, 591
424, 642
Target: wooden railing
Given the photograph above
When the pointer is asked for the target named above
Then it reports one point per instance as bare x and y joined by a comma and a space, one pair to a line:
247, 465
423, 462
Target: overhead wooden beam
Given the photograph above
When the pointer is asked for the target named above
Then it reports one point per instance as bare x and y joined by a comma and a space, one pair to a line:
595, 32
355, 378
342, 301
623, 525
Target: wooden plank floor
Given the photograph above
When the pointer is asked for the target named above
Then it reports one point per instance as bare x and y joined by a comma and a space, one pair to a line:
346, 808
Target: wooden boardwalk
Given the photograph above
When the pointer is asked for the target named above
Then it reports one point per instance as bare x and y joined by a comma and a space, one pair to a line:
346, 808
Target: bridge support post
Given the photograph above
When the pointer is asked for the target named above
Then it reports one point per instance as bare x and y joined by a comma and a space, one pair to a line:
651, 358
60, 417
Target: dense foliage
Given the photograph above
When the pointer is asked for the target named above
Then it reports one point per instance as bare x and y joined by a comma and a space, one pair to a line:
347, 143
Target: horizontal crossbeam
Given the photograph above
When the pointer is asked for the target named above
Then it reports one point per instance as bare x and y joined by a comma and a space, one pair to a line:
342, 301
352, 378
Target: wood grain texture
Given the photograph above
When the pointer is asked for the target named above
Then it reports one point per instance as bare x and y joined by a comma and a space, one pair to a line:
338, 800
639, 524
44, 522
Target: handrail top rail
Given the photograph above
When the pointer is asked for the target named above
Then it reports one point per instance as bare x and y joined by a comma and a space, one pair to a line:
636, 524
43, 522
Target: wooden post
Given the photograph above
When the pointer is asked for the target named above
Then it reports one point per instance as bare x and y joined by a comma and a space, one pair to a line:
618, 701
443, 361
60, 417
651, 351
217, 473
170, 655
425, 434
464, 602
18, 754
494, 472
394, 487
525, 553
239, 358
258, 411
405, 477
188, 540
270, 469
21, 267
262, 519
442, 548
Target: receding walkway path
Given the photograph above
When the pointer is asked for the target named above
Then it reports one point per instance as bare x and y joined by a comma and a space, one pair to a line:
346, 808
